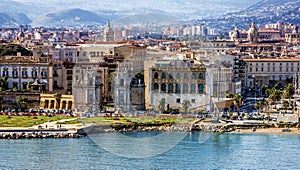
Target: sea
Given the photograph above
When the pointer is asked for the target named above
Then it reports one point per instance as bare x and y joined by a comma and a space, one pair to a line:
154, 150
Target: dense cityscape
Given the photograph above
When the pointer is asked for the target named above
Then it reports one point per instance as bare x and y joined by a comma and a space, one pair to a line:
234, 73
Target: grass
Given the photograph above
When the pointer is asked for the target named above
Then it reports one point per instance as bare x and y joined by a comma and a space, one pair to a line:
127, 120
27, 121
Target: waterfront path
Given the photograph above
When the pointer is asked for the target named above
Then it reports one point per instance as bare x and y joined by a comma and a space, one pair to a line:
48, 126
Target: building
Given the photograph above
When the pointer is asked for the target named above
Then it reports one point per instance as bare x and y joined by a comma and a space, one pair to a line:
271, 71
56, 101
175, 81
24, 70
108, 34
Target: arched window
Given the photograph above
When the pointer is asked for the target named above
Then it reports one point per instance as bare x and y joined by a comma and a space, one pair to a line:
178, 76
156, 75
185, 88
163, 87
163, 75
170, 88
193, 76
185, 76
200, 88
171, 76
193, 88
200, 75
155, 86
178, 87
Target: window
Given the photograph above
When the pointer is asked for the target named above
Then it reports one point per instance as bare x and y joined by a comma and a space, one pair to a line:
171, 76
156, 75
163, 87
24, 73
34, 74
24, 85
155, 86
193, 101
178, 87
200, 88
5, 73
15, 85
178, 75
193, 88
44, 74
170, 88
15, 73
185, 88
200, 75
178, 100
185, 76
193, 76
163, 75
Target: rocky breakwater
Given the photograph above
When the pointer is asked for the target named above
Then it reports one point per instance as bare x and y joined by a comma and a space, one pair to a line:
135, 127
32, 135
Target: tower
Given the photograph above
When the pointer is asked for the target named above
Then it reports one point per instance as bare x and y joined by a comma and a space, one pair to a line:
108, 34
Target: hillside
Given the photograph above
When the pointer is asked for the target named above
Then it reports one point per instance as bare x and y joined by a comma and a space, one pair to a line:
263, 12
147, 18
270, 11
13, 20
70, 17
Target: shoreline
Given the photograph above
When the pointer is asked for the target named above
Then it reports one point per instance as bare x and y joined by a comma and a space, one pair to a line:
80, 130
268, 131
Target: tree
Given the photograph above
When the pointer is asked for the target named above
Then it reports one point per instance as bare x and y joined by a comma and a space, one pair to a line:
3, 83
289, 91
260, 105
21, 103
275, 95
29, 87
186, 105
161, 105
238, 101
285, 105
229, 95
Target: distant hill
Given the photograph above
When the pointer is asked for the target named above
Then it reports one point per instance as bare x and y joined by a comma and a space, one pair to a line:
147, 18
70, 17
13, 20
270, 11
262, 12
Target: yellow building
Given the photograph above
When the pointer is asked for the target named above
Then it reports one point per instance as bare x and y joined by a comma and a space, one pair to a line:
56, 101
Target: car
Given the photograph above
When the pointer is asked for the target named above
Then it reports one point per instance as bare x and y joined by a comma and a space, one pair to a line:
174, 112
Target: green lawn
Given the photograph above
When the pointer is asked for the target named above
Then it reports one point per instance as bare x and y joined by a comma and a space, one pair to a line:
127, 120
27, 121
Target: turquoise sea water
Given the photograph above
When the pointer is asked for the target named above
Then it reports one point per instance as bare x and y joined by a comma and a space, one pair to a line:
219, 151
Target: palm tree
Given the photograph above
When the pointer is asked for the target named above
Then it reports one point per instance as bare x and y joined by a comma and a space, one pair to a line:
289, 91
258, 106
274, 95
285, 105
161, 105
185, 105
238, 101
